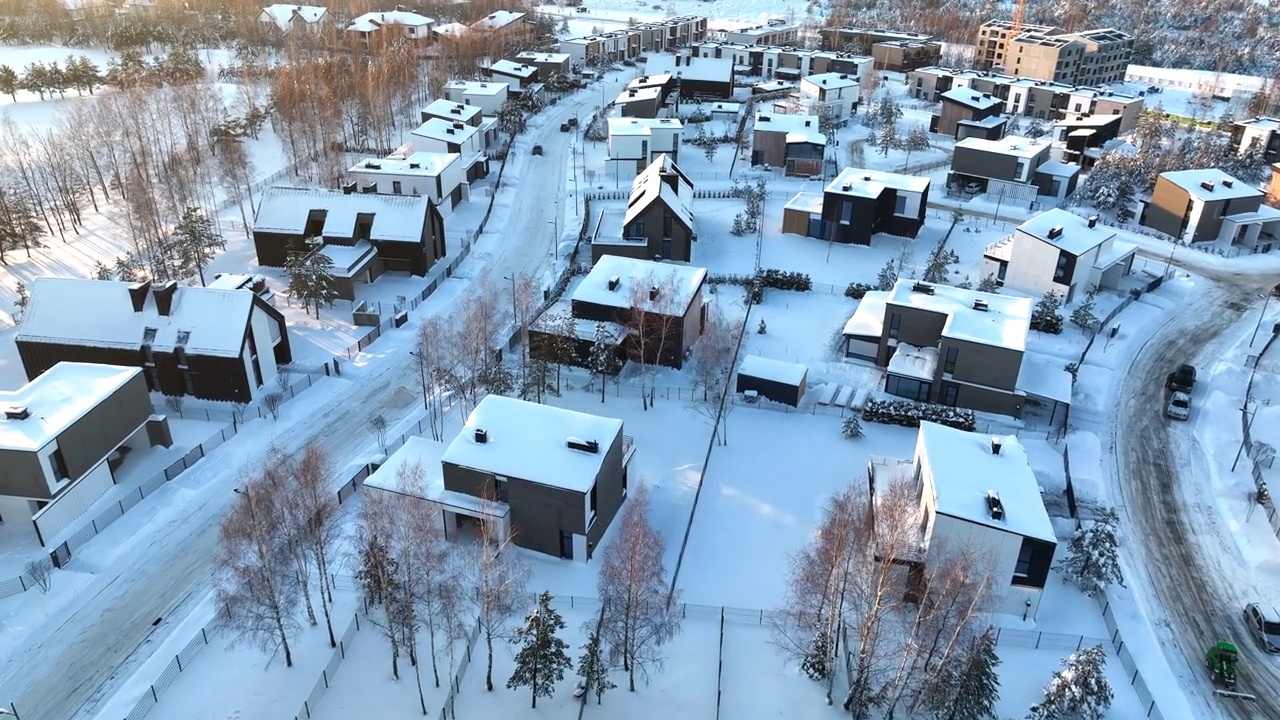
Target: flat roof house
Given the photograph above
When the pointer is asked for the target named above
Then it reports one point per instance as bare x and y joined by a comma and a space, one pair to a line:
1209, 205
365, 234
643, 102
438, 135
208, 343
548, 64
860, 40
837, 93
979, 491
1082, 138
517, 76
1017, 169
488, 96
695, 77
550, 479
643, 140
659, 302
906, 55
658, 223
791, 142
857, 204
1265, 131
1058, 251
440, 177
952, 346
969, 113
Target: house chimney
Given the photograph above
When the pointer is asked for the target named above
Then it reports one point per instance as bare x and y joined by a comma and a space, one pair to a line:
994, 506
370, 189
996, 444
138, 294
1227, 182
349, 188
653, 293
482, 436
1207, 185
981, 305
1093, 220
613, 283
164, 297
16, 412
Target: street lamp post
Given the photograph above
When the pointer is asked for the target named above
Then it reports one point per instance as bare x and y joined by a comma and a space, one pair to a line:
1261, 315
422, 373
1169, 262
11, 710
1248, 426
515, 314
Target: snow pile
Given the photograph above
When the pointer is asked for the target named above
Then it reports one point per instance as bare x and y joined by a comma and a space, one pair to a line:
1084, 456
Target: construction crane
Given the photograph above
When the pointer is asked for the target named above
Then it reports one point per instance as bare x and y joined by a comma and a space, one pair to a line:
1019, 10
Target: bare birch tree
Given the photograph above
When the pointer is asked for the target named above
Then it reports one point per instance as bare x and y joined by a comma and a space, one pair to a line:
712, 369
315, 509
433, 358
639, 614
377, 569
654, 326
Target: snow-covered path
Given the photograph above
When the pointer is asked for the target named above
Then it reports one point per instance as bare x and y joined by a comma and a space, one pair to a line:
65, 666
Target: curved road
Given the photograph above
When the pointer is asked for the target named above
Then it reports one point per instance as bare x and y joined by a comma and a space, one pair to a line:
65, 666
1180, 549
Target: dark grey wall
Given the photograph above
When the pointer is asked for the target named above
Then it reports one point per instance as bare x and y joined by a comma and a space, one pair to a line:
21, 475
980, 163
103, 428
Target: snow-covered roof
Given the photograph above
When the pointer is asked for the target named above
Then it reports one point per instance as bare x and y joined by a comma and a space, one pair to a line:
1058, 169
426, 164
349, 260
427, 453
799, 128
1115, 252
476, 87
1261, 122
868, 318
1072, 232
861, 182
726, 107
453, 28
651, 80
642, 126
965, 470
514, 69
691, 68
99, 313
831, 80
771, 86
444, 108
234, 281
1004, 323
1011, 145
372, 21
914, 362
986, 122
971, 98
543, 57
397, 218
1224, 186
631, 95
778, 371
1044, 376
809, 202
649, 185
282, 15
529, 441
497, 20
56, 399
635, 278
583, 329
1264, 214
456, 132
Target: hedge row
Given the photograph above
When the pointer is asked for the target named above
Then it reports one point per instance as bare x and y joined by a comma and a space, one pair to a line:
908, 413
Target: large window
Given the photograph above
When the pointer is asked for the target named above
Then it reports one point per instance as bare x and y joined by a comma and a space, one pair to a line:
895, 324
949, 366
910, 388
59, 465
1060, 271
1023, 567
592, 504
900, 205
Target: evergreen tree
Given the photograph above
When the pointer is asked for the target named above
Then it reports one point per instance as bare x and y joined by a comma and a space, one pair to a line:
1046, 317
917, 140
311, 279
887, 277
989, 284
511, 119
57, 79
195, 240
937, 267
593, 669
816, 664
35, 78
1083, 317
542, 658
1035, 129
973, 682
852, 427
888, 137
19, 225
24, 299
1079, 691
377, 571
9, 82
1093, 555
603, 361
102, 272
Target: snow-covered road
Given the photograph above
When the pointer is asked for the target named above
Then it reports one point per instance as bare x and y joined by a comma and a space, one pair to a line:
64, 667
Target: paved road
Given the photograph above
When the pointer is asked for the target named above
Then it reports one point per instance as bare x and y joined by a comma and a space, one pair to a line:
1181, 547
65, 667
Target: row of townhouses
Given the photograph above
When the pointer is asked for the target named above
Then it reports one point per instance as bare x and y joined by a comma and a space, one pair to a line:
640, 39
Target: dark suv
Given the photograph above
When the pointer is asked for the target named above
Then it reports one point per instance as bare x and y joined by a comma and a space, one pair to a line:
1182, 379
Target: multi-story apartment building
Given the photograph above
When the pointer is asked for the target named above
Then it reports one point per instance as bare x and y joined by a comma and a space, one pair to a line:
861, 40
994, 37
774, 32
1044, 52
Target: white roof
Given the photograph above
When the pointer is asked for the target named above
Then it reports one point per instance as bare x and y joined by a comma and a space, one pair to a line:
1116, 252
870, 183
427, 453
787, 373
912, 361
371, 21
868, 319
234, 281
1190, 180
582, 329
1058, 169
965, 470
56, 399
685, 279
282, 14
543, 57
1012, 145
1077, 237
1265, 123
831, 80
445, 108
810, 202
99, 313
630, 95
651, 80
971, 98
398, 218
515, 69
426, 164
1044, 376
453, 28
799, 128
1004, 324
476, 87
528, 440
726, 107
773, 85
348, 260
649, 185
445, 131
691, 68
497, 20
642, 126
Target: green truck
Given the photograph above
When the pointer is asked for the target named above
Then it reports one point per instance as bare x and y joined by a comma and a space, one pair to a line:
1221, 660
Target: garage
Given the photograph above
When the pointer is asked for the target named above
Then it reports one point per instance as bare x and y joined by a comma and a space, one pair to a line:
781, 382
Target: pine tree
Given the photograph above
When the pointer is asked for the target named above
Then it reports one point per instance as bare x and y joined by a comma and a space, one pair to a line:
24, 299
989, 284
937, 267
852, 427
888, 138
887, 277
817, 662
1079, 691
9, 82
974, 684
195, 240
1045, 316
1035, 129
542, 658
603, 361
102, 272
19, 225
1093, 555
592, 668
311, 278
35, 78
1083, 317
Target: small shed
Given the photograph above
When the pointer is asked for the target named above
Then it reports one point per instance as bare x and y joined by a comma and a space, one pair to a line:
779, 381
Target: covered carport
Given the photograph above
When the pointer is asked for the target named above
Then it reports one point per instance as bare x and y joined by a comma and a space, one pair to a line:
1045, 381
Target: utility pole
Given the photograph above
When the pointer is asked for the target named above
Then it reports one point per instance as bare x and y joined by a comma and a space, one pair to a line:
1169, 262
1261, 315
1247, 428
422, 374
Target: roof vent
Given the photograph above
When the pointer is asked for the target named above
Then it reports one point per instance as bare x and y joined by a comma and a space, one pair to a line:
1055, 232
16, 412
1207, 185
459, 125
653, 293
373, 165
866, 178
981, 305
996, 444
806, 123
1093, 221
415, 166
925, 288
590, 446
482, 436
349, 188
994, 506
1227, 182
846, 187
613, 283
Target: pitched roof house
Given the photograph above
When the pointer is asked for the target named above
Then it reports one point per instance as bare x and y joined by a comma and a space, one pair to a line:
285, 17
658, 222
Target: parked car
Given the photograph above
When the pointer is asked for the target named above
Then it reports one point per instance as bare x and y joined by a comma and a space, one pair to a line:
1263, 622
581, 9
629, 63
566, 127
1182, 379
537, 149
1179, 407
973, 188
1153, 89
573, 122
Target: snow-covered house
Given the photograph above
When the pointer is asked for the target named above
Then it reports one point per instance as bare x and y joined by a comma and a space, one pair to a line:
209, 343
391, 24
658, 222
451, 111
438, 135
977, 492
438, 176
548, 64
836, 93
857, 204
456, 112
499, 21
792, 142
1209, 205
969, 113
488, 96
60, 440
1058, 251
695, 77
642, 140
286, 18
364, 233
1012, 169
517, 76
774, 32
1262, 132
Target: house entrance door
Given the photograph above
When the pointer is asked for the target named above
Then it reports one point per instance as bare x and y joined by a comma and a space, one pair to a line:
566, 545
